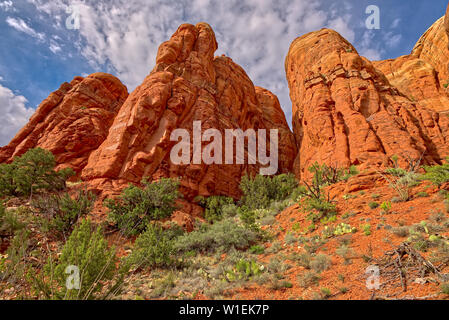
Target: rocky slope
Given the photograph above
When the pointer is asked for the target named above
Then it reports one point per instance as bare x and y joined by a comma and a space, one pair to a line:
348, 110
72, 122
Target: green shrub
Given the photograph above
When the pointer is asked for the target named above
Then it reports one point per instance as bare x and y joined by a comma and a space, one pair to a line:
410, 179
261, 191
290, 238
401, 231
319, 208
402, 180
136, 207
326, 293
229, 210
280, 285
9, 222
445, 288
283, 185
320, 205
373, 205
2, 211
247, 216
304, 260
14, 268
422, 195
437, 174
224, 234
343, 290
397, 172
88, 250
366, 229
213, 207
153, 248
257, 249
402, 186
7, 185
320, 263
33, 172
60, 213
308, 279
346, 253
386, 206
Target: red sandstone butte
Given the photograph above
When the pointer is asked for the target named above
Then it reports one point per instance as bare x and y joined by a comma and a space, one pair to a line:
348, 110
72, 122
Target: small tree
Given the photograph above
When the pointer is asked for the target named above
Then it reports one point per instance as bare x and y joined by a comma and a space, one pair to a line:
261, 191
318, 201
437, 174
34, 171
7, 185
137, 207
85, 251
60, 212
153, 248
9, 222
324, 175
213, 207
31, 173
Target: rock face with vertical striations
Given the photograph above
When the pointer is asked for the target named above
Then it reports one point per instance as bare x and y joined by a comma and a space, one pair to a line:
350, 111
187, 84
72, 122
423, 76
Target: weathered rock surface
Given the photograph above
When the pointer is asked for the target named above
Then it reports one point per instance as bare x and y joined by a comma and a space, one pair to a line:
72, 122
446, 24
347, 112
424, 74
187, 84
433, 47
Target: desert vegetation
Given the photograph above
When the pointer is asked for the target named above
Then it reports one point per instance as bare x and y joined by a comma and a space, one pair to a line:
281, 236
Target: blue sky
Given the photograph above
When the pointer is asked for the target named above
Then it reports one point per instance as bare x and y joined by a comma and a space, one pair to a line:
38, 52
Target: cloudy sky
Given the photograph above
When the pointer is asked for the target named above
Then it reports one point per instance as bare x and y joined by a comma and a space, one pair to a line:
41, 46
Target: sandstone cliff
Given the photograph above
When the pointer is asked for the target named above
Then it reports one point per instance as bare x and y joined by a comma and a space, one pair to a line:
72, 122
187, 84
350, 111
424, 74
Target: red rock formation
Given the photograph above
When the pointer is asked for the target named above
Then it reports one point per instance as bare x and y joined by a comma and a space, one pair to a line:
433, 47
72, 122
424, 74
187, 84
446, 24
346, 112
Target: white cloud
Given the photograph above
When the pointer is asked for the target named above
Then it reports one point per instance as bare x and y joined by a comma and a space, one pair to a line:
22, 26
55, 47
392, 40
14, 113
395, 23
373, 45
341, 26
369, 48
